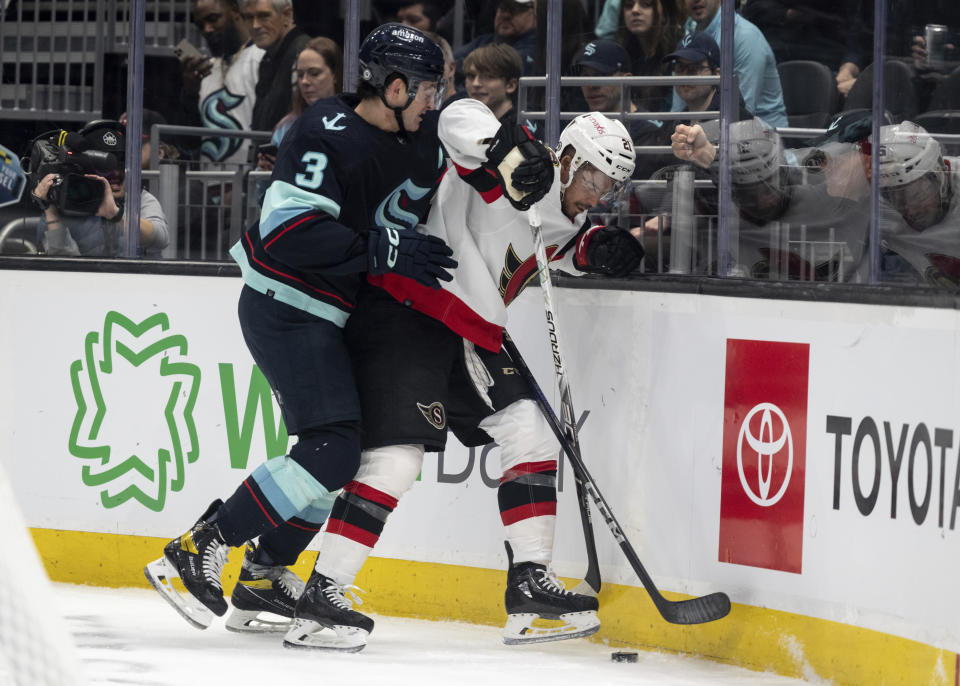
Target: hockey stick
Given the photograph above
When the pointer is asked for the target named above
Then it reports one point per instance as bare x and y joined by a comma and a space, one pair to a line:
591, 580
692, 611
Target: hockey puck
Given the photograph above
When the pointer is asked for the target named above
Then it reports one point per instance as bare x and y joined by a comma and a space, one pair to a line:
623, 657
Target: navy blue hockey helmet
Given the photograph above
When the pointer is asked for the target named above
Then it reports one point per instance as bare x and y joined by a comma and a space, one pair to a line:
400, 49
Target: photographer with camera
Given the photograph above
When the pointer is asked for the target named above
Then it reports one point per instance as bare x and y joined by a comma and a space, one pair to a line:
79, 184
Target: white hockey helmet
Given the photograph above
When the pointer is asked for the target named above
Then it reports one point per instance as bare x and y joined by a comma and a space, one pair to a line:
907, 153
756, 153
601, 141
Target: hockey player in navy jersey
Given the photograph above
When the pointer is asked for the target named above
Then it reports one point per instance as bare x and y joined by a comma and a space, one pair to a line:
437, 355
353, 178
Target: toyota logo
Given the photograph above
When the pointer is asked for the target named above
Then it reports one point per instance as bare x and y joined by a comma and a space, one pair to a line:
768, 445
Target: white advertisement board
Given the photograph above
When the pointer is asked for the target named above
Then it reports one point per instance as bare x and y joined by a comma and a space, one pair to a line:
800, 456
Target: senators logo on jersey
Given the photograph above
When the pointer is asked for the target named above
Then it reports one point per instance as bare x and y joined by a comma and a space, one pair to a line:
518, 273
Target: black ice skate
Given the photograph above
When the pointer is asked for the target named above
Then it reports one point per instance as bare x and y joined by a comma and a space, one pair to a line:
196, 558
264, 597
540, 609
324, 618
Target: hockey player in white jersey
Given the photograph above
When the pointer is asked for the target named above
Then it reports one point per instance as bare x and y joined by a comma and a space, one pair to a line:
426, 361
920, 213
786, 229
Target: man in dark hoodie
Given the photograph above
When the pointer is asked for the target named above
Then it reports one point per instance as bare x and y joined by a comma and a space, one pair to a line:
271, 27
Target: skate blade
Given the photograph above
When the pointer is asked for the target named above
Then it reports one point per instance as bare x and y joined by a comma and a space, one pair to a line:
160, 573
257, 622
520, 628
310, 635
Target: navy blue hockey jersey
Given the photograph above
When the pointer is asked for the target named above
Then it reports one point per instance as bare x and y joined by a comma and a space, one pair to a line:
335, 176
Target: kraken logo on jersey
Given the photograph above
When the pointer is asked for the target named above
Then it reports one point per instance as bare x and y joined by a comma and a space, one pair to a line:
390, 212
517, 273
215, 113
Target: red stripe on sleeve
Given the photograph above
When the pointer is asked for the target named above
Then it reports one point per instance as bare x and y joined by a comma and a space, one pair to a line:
443, 306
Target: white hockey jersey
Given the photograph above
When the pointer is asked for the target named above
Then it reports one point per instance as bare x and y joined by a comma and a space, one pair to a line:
227, 96
490, 239
934, 252
818, 238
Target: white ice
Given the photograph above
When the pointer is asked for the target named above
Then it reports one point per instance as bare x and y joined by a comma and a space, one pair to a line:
131, 636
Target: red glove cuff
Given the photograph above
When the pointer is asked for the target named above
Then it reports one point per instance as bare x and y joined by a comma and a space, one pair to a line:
581, 253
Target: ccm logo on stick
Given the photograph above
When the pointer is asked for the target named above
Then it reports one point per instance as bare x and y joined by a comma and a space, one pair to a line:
764, 452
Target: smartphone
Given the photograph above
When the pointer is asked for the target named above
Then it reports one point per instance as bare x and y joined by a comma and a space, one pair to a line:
186, 50
267, 149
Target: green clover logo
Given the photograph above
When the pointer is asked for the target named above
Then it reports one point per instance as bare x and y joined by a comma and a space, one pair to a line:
134, 426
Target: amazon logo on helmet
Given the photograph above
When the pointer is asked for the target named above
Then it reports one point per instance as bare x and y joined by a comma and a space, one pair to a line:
397, 49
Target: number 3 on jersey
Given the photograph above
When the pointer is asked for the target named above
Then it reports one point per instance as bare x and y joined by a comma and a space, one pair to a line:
312, 176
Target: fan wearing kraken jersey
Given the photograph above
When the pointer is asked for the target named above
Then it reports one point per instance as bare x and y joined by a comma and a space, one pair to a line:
219, 91
436, 354
352, 180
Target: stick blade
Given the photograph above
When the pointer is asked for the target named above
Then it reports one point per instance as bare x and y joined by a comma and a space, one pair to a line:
700, 610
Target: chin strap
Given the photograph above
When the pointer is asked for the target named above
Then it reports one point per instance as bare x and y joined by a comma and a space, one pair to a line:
397, 113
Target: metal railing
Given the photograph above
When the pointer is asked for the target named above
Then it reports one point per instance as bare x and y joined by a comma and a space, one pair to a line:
53, 52
207, 204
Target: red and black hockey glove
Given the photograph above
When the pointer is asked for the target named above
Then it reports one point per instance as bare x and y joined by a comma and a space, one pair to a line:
523, 165
423, 258
608, 250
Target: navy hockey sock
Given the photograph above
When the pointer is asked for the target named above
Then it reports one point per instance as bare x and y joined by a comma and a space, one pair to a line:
328, 457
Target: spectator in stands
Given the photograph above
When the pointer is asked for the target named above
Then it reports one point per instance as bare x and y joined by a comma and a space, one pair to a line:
649, 29
420, 15
219, 91
319, 75
904, 29
604, 58
753, 61
102, 233
824, 31
697, 54
515, 23
575, 30
491, 74
272, 29
449, 65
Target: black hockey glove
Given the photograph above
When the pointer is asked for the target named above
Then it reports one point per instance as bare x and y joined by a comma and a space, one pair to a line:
523, 165
608, 250
421, 257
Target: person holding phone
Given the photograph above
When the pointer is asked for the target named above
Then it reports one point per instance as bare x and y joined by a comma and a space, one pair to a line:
219, 88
